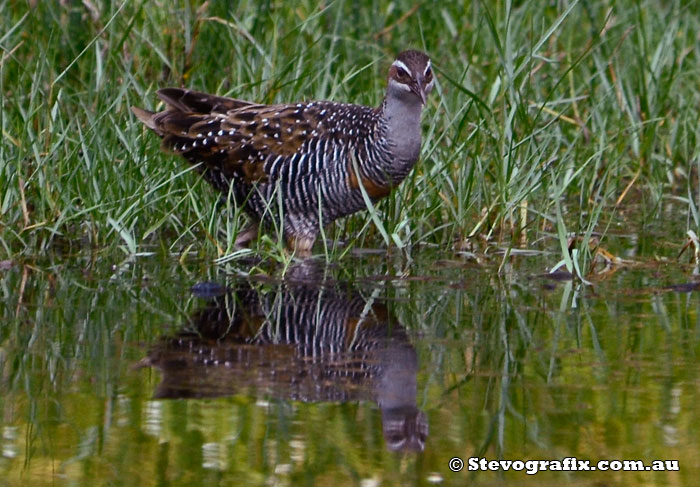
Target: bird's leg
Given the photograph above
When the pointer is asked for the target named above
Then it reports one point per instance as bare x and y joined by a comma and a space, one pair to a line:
246, 235
300, 246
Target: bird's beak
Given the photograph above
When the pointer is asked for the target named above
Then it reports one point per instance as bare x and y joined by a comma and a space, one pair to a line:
418, 90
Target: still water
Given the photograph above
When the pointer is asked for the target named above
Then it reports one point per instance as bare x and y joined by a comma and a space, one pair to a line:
375, 371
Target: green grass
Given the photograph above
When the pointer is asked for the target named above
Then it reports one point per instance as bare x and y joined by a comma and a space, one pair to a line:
549, 118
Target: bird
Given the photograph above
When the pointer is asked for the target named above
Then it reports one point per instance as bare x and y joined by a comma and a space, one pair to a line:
303, 164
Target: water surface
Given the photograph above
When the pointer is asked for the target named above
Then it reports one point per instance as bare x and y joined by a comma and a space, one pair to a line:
374, 371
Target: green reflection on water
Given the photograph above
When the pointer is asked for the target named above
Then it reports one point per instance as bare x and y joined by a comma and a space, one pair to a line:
512, 366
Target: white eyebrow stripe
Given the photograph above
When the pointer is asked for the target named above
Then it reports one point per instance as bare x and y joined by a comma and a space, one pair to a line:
427, 67
400, 64
403, 86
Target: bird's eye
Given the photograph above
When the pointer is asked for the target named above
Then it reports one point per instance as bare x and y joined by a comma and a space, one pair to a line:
428, 74
401, 73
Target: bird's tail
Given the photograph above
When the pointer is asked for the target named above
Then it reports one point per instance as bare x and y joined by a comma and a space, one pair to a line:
146, 117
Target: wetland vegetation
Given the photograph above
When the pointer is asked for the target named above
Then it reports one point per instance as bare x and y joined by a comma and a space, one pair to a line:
548, 120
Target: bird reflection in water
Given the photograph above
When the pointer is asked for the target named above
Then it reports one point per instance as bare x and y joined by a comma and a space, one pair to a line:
304, 339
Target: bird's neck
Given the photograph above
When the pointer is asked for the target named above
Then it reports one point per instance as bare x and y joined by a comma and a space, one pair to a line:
402, 114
